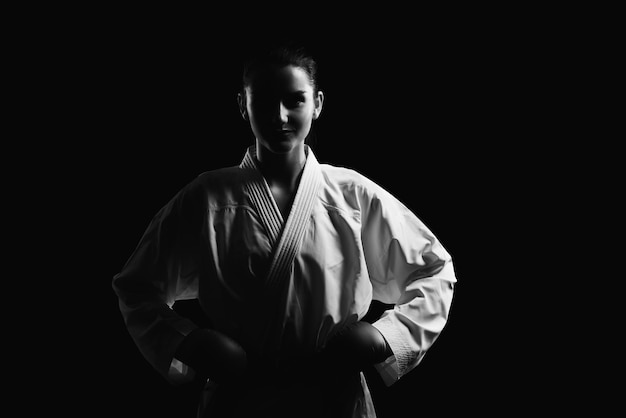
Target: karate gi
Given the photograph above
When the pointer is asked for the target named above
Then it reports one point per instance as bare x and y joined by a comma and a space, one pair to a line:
285, 286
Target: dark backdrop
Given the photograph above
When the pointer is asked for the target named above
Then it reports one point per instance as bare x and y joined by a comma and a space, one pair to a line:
441, 119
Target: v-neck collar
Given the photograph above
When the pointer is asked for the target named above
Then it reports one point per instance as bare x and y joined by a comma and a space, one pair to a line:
285, 234
262, 198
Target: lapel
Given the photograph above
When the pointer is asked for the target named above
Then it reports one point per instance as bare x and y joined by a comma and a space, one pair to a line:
285, 236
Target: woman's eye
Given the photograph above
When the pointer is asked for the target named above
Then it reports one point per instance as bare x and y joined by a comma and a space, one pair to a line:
294, 101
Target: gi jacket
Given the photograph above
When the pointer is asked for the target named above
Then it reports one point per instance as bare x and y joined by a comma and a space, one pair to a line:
286, 285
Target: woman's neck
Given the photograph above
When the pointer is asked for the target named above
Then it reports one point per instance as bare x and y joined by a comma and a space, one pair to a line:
282, 170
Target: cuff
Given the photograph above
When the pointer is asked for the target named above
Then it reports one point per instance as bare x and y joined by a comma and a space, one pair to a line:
394, 366
388, 370
180, 373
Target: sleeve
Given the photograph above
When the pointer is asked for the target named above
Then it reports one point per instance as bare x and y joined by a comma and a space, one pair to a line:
163, 268
410, 269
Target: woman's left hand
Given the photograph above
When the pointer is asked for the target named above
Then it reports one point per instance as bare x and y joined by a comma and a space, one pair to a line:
357, 346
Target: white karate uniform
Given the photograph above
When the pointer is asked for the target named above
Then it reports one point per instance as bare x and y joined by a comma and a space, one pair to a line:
278, 285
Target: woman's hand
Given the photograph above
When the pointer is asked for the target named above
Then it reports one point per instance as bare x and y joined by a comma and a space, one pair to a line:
213, 356
356, 346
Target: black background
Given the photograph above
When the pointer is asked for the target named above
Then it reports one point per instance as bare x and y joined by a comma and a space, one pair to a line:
423, 130
456, 116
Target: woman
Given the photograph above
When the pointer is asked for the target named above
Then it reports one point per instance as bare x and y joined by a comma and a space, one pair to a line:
285, 256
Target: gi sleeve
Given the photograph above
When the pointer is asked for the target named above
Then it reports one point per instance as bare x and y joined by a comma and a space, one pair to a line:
163, 268
409, 268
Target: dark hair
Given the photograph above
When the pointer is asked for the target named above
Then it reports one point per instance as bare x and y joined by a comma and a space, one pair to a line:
281, 54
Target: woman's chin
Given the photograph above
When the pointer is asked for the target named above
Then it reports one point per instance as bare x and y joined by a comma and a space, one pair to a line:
281, 147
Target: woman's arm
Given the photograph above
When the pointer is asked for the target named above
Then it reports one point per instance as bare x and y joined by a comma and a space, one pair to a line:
162, 269
409, 268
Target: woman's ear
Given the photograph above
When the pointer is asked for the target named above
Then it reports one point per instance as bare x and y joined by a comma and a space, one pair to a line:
243, 108
319, 102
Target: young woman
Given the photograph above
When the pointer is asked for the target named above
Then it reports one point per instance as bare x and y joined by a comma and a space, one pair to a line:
285, 256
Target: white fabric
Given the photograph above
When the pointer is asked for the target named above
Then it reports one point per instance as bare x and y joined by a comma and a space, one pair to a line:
216, 241
296, 225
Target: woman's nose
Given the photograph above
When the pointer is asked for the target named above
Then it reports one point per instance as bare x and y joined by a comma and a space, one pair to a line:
280, 113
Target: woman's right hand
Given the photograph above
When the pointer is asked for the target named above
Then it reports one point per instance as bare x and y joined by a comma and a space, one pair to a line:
213, 356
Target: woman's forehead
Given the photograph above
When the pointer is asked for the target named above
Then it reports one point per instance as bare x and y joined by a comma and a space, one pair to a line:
289, 78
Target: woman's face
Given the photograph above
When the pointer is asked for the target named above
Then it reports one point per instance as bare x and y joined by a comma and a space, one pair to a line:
280, 104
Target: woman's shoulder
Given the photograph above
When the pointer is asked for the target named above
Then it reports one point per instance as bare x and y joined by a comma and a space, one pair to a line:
220, 175
217, 181
343, 175
351, 180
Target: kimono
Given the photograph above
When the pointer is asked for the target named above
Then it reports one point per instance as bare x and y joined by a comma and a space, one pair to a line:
281, 287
